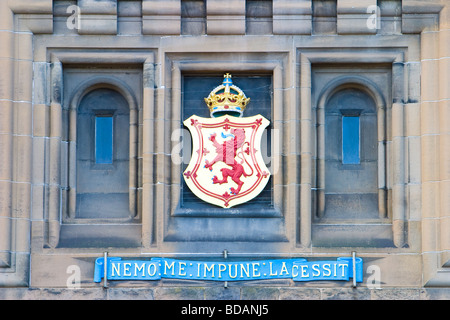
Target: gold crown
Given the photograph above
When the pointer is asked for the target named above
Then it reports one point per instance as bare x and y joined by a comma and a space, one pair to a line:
227, 98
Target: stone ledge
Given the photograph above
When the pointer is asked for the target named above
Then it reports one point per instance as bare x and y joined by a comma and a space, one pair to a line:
222, 293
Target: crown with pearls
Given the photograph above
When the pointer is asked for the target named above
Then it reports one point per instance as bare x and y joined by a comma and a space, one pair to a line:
227, 99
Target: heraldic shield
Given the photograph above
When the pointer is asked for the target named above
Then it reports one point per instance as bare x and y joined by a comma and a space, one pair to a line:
226, 167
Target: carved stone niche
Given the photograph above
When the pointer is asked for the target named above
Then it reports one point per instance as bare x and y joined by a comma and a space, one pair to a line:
380, 78
78, 93
237, 229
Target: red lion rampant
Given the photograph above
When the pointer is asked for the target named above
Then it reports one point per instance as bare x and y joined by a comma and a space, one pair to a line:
227, 152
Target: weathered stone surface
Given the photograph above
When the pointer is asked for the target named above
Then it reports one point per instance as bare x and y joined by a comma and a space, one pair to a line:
261, 293
306, 49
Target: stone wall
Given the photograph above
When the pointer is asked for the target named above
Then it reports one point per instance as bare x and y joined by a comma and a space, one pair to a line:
220, 293
303, 46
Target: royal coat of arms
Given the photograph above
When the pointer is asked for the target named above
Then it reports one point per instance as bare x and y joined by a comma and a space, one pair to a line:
226, 167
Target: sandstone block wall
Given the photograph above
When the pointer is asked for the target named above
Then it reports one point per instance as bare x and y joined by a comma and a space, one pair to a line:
400, 50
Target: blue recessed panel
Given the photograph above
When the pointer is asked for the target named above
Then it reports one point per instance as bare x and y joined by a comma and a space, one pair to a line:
350, 140
104, 139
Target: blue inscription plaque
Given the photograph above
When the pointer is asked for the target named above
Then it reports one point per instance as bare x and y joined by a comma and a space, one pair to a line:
295, 269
